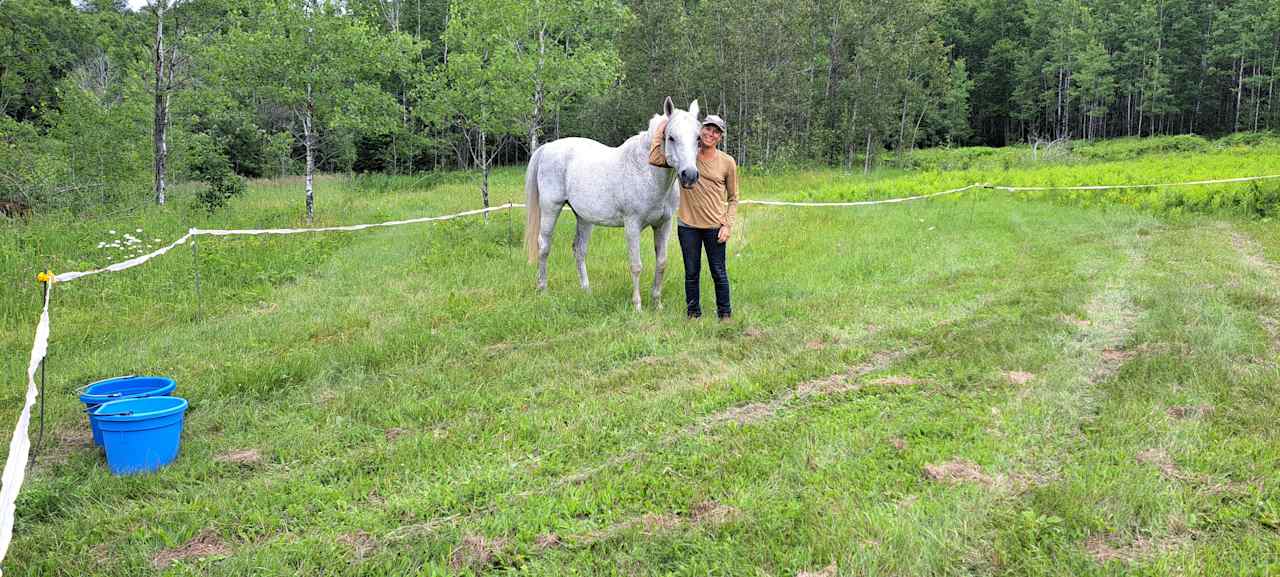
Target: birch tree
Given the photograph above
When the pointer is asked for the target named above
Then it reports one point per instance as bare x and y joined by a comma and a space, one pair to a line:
508, 62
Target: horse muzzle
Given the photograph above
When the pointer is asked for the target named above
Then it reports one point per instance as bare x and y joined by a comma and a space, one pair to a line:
688, 177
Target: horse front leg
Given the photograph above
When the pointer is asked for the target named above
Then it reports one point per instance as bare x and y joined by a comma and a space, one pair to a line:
580, 243
632, 230
661, 234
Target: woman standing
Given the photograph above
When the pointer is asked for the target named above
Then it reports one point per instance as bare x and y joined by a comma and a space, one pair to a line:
707, 213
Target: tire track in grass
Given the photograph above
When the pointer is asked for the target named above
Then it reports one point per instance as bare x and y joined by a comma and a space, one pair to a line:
791, 397
1046, 422
1250, 255
1053, 407
1142, 519
841, 382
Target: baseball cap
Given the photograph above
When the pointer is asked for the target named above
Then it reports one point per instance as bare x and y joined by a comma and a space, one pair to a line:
715, 121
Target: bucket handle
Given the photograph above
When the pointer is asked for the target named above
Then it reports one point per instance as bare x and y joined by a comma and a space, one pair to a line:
124, 414
81, 390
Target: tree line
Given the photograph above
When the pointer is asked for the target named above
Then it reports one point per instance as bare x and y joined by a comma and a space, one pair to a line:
99, 102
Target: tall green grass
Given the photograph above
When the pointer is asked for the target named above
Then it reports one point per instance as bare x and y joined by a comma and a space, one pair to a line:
410, 396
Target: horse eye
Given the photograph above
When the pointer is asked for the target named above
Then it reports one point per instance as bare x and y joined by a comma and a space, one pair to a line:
671, 138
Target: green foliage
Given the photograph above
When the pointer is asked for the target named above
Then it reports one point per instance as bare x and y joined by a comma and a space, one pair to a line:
41, 42
209, 165
1130, 148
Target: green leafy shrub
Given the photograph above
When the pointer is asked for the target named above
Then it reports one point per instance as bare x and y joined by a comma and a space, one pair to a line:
210, 165
1129, 148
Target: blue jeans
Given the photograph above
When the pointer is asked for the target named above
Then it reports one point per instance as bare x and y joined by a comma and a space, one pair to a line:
692, 243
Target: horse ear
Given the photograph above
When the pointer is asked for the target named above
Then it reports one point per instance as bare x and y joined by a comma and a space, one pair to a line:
668, 107
693, 109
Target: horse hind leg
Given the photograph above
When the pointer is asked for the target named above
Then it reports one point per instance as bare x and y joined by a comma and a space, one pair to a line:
632, 230
580, 243
661, 236
549, 217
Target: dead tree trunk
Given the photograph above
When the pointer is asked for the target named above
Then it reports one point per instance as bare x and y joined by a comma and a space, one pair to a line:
160, 132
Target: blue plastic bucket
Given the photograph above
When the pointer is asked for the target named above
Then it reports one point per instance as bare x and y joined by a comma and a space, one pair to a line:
130, 387
141, 434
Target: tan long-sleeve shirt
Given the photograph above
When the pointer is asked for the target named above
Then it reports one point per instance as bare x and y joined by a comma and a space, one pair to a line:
712, 201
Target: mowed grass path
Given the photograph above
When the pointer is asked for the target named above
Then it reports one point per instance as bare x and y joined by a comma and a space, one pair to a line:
975, 385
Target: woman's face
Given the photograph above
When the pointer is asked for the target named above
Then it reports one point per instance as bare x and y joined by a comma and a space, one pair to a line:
710, 136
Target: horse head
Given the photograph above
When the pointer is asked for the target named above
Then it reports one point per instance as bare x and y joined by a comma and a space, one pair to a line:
681, 144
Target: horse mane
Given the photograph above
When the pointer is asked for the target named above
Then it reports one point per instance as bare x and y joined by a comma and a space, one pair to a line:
638, 146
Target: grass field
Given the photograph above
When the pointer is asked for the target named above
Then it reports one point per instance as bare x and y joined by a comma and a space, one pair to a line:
977, 385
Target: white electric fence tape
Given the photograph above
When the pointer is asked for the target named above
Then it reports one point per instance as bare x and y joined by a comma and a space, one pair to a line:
860, 202
15, 467
1120, 186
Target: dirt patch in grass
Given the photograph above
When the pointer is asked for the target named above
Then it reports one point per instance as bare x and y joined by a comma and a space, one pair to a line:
476, 553
753, 333
747, 414
101, 555
1160, 459
1111, 361
393, 434
816, 345
1117, 356
654, 523
897, 381
1249, 252
712, 513
206, 544
828, 571
1190, 411
1204, 484
66, 442
964, 471
1019, 377
547, 541
836, 383
360, 543
74, 438
1074, 321
898, 443
246, 457
1111, 547
497, 349
703, 514
411, 531
958, 471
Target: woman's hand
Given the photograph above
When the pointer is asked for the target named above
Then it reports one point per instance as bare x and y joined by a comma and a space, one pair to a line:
724, 234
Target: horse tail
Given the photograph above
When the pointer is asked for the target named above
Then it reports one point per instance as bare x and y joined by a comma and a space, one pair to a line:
533, 212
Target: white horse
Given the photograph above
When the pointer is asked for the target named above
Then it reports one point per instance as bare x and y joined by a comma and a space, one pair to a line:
611, 187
